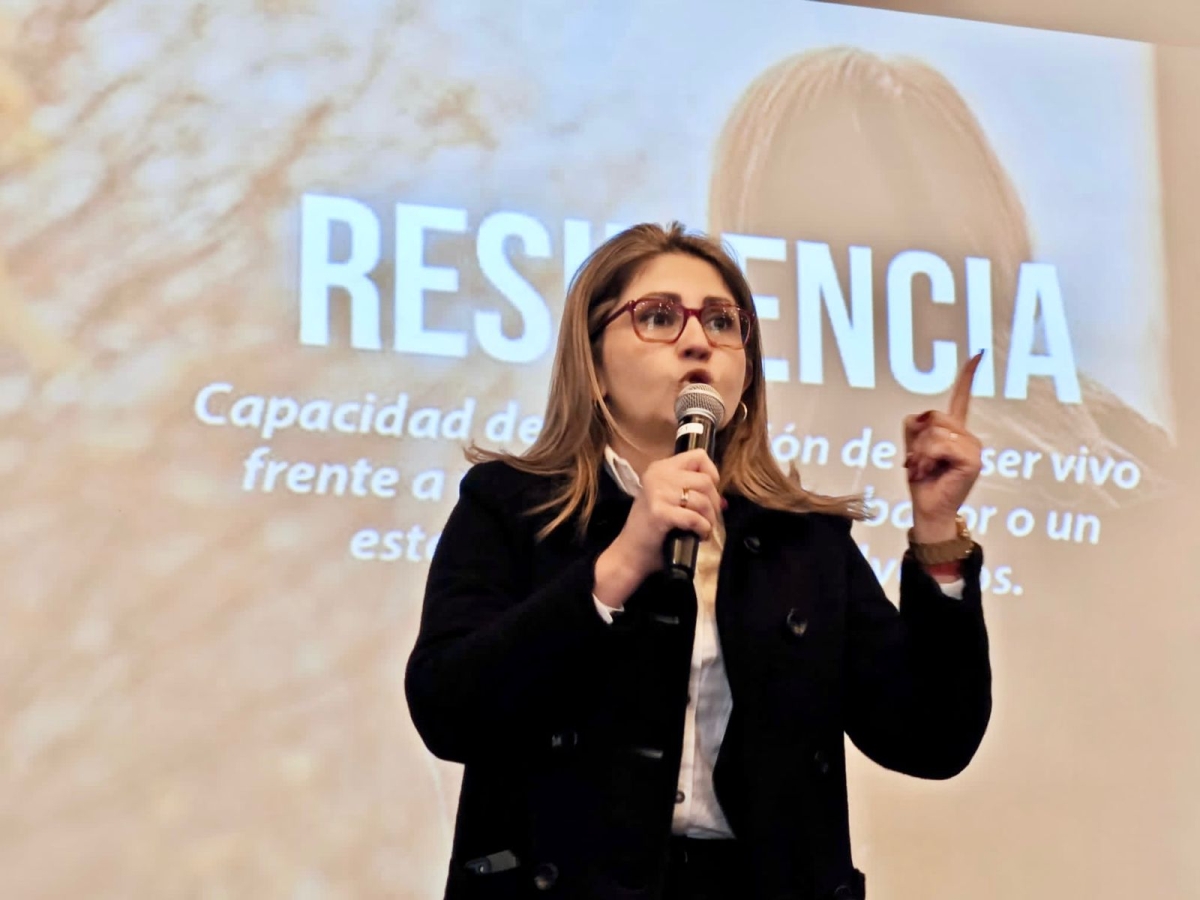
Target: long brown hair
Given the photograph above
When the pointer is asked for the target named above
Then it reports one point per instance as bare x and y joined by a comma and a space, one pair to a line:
842, 146
570, 447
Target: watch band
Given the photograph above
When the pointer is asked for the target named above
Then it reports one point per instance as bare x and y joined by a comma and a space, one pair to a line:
956, 549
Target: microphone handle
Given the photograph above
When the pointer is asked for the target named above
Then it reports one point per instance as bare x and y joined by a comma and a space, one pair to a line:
681, 547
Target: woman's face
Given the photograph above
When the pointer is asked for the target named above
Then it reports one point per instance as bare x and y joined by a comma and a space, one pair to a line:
640, 379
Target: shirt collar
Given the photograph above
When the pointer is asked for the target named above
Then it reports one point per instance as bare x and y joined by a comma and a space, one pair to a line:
622, 472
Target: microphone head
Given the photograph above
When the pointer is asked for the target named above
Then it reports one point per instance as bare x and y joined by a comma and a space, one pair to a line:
699, 400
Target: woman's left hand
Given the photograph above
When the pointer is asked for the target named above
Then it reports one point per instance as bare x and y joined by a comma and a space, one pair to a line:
943, 460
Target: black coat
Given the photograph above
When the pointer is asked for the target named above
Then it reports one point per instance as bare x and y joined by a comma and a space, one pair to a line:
571, 729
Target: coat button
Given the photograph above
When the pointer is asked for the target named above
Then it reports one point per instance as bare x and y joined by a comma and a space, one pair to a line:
843, 892
545, 876
564, 740
796, 623
821, 764
752, 543
679, 797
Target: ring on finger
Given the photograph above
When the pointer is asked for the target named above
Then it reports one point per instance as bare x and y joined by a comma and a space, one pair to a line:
683, 498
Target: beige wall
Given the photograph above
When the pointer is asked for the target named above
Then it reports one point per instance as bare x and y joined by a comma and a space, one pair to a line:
1153, 21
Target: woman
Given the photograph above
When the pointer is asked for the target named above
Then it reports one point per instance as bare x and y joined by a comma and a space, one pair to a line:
629, 735
841, 146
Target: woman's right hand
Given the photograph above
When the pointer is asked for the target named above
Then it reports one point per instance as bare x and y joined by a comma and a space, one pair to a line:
657, 510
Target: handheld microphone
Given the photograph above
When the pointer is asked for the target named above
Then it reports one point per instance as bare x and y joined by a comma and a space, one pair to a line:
699, 411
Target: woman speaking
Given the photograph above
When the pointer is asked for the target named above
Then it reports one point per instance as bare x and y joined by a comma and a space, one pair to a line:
629, 734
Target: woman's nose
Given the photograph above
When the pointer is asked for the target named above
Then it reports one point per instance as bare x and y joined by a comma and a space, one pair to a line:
693, 343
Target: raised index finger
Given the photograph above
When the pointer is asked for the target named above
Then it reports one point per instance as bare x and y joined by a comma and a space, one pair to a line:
960, 394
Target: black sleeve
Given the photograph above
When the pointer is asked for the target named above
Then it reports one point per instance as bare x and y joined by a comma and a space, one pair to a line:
919, 679
491, 655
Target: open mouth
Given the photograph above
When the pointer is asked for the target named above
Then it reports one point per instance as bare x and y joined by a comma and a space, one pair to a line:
697, 376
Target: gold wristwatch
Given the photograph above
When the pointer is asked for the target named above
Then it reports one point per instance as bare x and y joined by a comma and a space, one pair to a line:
956, 549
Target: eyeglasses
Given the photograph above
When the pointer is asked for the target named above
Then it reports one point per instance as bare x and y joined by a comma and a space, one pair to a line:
661, 320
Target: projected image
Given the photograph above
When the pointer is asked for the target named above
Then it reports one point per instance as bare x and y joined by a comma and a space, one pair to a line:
267, 269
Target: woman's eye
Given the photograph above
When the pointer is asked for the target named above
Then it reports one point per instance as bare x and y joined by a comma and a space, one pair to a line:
657, 317
721, 321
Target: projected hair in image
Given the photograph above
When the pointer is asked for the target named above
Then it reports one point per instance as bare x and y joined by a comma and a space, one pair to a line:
842, 147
